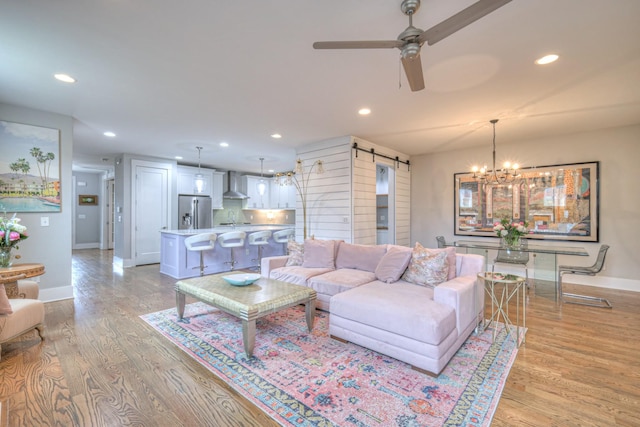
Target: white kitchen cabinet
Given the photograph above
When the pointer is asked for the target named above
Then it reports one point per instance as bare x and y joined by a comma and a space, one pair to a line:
250, 188
217, 189
187, 180
283, 196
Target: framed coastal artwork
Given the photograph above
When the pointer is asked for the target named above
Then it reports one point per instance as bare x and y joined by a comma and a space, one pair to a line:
558, 202
29, 168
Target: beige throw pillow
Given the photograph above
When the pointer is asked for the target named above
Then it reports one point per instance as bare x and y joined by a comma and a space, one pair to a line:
5, 306
428, 267
296, 253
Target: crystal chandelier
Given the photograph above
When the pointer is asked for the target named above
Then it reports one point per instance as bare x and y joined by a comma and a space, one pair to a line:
301, 182
508, 174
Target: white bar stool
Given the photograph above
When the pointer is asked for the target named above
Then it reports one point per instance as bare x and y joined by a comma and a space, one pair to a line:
200, 243
259, 239
232, 239
283, 236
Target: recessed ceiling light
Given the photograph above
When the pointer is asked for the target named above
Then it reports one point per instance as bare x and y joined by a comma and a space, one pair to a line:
64, 78
547, 59
364, 111
109, 134
224, 144
178, 157
276, 136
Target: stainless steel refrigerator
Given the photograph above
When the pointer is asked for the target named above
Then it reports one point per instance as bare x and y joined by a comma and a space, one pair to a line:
194, 212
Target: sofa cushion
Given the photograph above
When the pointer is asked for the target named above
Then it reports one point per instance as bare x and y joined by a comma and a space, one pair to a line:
393, 264
319, 254
5, 305
341, 280
360, 257
400, 308
451, 259
296, 253
296, 274
427, 267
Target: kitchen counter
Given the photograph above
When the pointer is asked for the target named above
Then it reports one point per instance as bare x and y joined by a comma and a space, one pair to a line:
177, 262
219, 229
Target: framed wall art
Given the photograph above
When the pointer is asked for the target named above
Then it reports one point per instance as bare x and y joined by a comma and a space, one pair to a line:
559, 202
29, 168
87, 199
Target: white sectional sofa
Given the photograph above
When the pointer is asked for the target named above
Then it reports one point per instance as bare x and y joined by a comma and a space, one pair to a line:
370, 303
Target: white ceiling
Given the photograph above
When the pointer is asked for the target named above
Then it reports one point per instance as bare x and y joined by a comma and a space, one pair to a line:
167, 76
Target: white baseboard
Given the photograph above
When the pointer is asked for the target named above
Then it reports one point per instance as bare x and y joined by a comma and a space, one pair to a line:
123, 263
95, 245
56, 294
603, 282
599, 281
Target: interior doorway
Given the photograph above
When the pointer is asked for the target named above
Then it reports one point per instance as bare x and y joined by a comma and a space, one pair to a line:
385, 205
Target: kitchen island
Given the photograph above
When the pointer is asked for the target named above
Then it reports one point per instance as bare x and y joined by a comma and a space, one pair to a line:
177, 262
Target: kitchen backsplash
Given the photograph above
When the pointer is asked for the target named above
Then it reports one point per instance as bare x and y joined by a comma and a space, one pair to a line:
233, 210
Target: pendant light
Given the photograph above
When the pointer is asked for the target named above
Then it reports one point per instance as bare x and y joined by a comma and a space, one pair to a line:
199, 178
262, 186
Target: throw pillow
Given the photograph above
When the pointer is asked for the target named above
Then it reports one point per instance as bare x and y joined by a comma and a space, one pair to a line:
427, 267
393, 264
360, 257
5, 306
319, 254
296, 253
451, 257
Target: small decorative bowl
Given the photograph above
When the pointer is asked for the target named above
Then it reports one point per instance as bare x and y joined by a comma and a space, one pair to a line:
243, 279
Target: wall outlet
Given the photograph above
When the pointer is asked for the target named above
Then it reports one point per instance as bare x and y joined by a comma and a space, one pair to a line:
44, 221
345, 220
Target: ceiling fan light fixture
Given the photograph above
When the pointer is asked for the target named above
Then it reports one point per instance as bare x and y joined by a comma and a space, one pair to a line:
364, 111
410, 51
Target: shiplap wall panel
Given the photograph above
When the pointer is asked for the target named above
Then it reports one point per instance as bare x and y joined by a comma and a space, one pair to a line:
329, 194
341, 203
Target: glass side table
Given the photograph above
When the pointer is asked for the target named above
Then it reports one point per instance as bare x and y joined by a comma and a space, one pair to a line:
502, 288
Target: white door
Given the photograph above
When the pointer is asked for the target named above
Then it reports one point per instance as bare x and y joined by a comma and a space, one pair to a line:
151, 209
110, 213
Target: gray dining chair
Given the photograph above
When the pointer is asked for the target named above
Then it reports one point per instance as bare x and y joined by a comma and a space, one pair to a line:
514, 256
441, 241
588, 271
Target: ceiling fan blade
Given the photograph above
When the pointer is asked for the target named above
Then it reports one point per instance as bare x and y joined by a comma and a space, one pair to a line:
413, 70
460, 20
363, 44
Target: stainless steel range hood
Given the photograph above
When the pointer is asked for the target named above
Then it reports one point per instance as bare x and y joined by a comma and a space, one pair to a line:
233, 191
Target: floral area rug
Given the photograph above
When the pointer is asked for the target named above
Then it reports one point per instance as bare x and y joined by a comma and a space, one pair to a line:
309, 379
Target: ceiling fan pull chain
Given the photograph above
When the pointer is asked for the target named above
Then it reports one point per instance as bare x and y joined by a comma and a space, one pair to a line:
399, 73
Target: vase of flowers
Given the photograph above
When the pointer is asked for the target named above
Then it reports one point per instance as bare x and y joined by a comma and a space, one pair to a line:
11, 234
511, 233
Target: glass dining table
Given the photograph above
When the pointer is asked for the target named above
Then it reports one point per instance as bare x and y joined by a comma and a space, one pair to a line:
545, 256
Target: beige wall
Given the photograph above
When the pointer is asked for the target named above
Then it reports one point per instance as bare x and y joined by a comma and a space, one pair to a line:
618, 151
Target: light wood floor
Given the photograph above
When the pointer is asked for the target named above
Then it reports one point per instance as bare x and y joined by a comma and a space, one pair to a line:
100, 365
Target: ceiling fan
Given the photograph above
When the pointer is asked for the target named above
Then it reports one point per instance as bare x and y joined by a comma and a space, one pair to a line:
411, 40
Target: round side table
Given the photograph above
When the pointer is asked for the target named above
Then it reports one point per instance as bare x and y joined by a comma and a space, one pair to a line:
9, 276
501, 288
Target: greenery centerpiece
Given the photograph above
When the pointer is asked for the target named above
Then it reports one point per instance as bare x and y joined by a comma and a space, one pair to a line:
511, 232
11, 234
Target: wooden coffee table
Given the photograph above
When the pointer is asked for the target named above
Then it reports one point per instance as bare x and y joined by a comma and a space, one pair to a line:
248, 303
